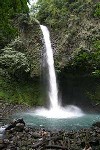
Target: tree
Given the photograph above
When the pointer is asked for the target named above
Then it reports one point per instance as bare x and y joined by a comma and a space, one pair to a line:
52, 12
8, 10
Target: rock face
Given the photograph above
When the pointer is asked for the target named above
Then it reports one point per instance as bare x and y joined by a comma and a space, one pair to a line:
81, 30
31, 36
26, 138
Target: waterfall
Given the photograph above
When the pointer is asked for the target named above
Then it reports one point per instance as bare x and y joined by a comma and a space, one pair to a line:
53, 90
55, 110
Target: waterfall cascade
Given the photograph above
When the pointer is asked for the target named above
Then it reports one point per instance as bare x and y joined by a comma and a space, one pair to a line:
55, 110
53, 90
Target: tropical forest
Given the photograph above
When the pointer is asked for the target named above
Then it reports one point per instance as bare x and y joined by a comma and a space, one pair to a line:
49, 74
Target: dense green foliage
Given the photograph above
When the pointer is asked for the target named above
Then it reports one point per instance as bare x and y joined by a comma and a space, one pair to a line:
50, 12
97, 10
13, 61
86, 61
23, 92
9, 9
15, 83
74, 26
55, 13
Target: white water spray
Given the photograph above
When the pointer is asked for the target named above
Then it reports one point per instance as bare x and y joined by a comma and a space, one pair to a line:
55, 110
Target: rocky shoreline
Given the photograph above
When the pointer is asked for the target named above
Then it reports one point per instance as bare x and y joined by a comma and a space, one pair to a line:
18, 136
7, 109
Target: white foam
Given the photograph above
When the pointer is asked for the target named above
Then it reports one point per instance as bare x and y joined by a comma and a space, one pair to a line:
59, 112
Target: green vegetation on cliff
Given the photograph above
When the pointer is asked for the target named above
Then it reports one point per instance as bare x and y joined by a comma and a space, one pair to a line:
74, 26
56, 13
17, 80
17, 64
21, 92
75, 33
9, 9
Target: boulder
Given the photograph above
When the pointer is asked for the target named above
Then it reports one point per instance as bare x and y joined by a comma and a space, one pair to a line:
2, 145
19, 127
96, 124
20, 120
15, 123
11, 125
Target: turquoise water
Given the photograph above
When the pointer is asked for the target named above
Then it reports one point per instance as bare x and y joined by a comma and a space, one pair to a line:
59, 124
